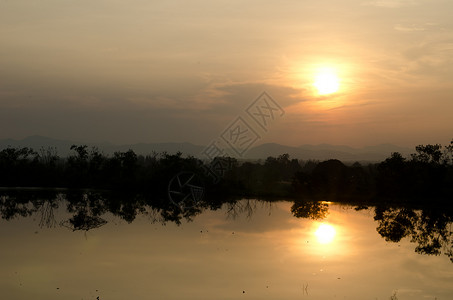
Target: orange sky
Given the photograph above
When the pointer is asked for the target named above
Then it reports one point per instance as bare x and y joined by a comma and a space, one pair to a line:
160, 71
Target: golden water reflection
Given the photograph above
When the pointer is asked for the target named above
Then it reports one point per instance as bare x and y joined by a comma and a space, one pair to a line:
267, 253
325, 233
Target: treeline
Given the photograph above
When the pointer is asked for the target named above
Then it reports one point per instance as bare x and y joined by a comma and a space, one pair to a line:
425, 175
89, 168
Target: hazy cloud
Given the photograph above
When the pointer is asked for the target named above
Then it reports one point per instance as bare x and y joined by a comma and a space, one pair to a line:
156, 71
392, 3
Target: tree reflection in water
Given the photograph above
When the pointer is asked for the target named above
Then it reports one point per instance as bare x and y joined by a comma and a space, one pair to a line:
47, 211
245, 207
88, 207
310, 209
429, 228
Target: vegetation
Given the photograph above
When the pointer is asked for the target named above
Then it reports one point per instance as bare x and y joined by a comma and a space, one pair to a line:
426, 175
126, 185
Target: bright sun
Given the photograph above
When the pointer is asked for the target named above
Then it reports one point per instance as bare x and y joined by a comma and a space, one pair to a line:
325, 233
326, 81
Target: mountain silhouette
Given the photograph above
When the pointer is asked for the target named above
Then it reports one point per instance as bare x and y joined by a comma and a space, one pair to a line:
305, 152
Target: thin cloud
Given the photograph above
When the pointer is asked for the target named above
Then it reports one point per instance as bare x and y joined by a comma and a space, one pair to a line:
392, 3
408, 28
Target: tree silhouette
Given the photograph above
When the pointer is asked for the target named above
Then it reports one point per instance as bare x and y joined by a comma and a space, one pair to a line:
309, 209
429, 229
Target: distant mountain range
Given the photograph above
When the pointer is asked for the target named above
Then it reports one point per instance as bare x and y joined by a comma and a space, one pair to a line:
304, 152
326, 151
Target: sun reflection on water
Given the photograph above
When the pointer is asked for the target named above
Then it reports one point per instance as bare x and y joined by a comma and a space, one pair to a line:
325, 233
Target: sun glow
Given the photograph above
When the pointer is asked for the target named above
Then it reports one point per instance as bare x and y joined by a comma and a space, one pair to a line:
325, 233
326, 81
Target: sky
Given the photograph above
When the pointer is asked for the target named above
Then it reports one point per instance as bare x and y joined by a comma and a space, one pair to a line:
184, 71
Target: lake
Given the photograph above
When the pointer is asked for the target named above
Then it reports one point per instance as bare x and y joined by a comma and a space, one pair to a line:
68, 248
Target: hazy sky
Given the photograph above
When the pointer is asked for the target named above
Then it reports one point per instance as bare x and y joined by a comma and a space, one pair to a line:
161, 71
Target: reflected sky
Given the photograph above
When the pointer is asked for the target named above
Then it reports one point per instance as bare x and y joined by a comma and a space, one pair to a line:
268, 254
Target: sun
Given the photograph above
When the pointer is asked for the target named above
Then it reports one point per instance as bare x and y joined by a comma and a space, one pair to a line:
325, 233
326, 81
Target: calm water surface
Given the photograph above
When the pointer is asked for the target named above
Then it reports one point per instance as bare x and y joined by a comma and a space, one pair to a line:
249, 250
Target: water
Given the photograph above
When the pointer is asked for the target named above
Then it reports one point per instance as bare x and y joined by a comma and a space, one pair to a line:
247, 249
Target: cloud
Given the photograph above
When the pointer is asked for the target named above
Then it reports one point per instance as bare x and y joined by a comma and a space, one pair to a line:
246, 93
432, 26
431, 62
392, 3
408, 28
